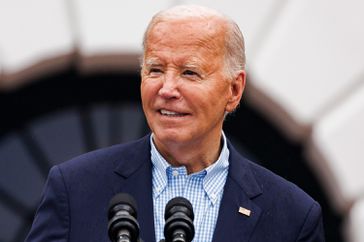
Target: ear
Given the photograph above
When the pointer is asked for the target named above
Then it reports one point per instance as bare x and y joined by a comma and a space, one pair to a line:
236, 91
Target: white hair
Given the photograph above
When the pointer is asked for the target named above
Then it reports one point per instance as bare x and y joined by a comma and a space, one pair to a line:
234, 40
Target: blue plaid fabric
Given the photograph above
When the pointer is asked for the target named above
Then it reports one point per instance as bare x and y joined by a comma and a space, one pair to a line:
203, 189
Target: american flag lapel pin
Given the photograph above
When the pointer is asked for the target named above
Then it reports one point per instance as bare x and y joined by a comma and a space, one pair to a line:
245, 211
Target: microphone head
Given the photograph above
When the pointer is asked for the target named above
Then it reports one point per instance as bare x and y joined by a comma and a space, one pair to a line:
179, 204
179, 219
122, 217
122, 201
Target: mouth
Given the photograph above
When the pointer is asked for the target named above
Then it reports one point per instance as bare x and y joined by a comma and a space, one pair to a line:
169, 113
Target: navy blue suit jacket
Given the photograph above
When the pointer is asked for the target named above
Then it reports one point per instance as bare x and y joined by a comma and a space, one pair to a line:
77, 193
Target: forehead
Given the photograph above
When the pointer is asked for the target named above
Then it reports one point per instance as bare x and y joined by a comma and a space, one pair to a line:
187, 34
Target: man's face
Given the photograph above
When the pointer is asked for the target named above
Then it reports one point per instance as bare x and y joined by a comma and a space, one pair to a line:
184, 90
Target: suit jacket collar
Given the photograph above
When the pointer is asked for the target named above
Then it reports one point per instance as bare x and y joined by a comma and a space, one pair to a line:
240, 189
135, 171
134, 176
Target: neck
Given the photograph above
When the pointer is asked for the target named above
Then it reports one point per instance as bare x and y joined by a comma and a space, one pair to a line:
195, 156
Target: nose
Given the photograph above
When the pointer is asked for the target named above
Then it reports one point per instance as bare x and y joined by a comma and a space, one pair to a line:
170, 87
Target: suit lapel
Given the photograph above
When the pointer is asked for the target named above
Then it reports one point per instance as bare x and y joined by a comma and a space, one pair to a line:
134, 176
240, 188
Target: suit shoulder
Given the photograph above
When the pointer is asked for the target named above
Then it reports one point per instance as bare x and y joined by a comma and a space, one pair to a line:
287, 206
104, 158
282, 189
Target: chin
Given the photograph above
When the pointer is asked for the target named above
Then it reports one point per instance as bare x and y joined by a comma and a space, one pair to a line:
171, 136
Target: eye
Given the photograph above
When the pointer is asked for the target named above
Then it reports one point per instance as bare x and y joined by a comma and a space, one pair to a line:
190, 73
155, 70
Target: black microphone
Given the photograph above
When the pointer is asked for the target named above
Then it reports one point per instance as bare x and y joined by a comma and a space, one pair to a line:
123, 226
179, 221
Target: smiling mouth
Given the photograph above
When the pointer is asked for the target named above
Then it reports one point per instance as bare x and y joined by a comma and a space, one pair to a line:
168, 113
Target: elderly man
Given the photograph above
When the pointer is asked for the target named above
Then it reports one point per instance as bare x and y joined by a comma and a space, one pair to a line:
192, 77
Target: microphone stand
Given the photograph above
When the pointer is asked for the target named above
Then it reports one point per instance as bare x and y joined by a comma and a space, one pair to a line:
124, 236
178, 236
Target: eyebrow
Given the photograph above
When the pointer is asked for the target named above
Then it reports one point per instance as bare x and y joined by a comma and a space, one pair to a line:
155, 61
192, 65
192, 62
152, 61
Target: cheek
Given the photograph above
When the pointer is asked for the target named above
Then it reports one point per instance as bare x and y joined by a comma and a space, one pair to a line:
148, 90
206, 102
216, 103
215, 95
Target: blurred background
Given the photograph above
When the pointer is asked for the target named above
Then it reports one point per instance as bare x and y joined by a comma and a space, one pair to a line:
69, 83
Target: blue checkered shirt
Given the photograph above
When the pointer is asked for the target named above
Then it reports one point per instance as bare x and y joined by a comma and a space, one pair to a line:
204, 189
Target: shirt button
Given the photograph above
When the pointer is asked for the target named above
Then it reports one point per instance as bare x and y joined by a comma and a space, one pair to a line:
175, 173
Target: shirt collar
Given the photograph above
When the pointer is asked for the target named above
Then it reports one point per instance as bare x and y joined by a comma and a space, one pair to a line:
160, 166
214, 175
215, 178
